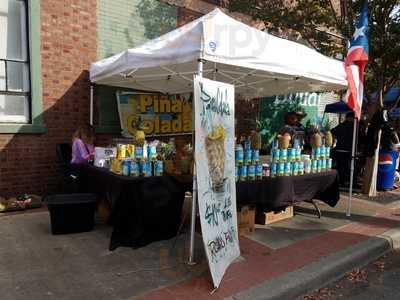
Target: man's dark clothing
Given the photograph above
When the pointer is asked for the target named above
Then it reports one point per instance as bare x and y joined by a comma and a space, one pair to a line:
341, 154
299, 127
344, 135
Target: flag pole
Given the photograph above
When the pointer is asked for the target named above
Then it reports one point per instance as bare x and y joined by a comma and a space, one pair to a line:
355, 62
353, 150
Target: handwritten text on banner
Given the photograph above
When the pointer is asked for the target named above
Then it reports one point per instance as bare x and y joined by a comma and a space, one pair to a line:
215, 167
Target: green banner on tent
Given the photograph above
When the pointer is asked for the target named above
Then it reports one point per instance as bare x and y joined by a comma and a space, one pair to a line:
273, 109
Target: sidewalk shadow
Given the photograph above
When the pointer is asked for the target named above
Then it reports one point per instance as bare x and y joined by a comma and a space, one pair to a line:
355, 217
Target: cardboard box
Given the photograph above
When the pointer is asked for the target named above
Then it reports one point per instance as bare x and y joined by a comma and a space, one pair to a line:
270, 217
246, 220
104, 210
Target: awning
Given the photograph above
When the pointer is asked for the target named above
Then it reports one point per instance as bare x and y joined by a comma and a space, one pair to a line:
339, 107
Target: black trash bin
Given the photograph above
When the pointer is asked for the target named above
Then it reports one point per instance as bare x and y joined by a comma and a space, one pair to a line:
71, 213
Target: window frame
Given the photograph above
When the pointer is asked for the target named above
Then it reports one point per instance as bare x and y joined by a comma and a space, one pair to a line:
35, 124
28, 62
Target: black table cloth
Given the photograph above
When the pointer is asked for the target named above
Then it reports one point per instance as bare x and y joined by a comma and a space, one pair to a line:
149, 209
144, 209
272, 193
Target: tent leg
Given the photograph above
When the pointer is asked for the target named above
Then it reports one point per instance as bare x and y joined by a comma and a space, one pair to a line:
91, 105
194, 195
353, 149
193, 220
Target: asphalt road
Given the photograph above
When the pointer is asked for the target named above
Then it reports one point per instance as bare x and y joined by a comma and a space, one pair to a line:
378, 280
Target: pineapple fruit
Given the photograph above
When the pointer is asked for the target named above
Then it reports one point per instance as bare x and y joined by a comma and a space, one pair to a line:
316, 140
256, 140
139, 134
255, 135
328, 135
315, 136
284, 140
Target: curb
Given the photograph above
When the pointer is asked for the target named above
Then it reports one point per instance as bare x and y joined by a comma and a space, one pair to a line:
393, 237
324, 271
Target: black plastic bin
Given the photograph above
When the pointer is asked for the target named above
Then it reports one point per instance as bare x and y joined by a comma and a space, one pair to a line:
71, 213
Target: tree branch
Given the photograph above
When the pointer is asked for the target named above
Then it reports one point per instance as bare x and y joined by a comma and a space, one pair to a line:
338, 24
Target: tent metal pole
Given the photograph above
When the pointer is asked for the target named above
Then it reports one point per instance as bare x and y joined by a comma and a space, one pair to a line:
91, 105
353, 150
194, 194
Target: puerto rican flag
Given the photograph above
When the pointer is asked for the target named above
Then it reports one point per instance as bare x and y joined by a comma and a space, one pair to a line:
355, 62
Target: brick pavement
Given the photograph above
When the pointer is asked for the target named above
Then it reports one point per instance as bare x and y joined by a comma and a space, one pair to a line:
262, 263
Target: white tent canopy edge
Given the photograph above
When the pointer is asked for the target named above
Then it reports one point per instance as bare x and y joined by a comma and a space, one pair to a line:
257, 63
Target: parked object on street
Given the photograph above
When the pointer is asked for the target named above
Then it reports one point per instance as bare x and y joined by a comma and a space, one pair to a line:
386, 169
71, 213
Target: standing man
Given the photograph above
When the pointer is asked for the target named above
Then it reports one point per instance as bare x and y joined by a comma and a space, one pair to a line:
300, 116
293, 119
293, 126
341, 154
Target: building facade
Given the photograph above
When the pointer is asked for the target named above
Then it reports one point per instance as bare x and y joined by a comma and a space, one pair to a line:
59, 39
46, 47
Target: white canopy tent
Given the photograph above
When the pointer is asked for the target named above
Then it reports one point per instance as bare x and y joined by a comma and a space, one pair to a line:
257, 63
218, 47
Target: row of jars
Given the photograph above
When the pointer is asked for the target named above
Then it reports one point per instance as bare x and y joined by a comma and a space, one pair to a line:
246, 156
301, 167
296, 168
134, 168
147, 151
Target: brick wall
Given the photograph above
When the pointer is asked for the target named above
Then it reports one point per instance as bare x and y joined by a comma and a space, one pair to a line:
68, 45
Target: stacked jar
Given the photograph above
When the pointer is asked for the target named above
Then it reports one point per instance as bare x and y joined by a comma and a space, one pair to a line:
247, 162
136, 161
321, 160
286, 161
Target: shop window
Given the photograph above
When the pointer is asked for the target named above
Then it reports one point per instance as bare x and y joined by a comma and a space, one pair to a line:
15, 106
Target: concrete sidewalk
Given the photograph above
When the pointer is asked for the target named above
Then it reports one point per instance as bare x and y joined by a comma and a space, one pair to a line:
280, 261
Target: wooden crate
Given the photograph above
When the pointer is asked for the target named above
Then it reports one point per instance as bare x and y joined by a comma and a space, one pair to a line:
246, 219
103, 210
270, 217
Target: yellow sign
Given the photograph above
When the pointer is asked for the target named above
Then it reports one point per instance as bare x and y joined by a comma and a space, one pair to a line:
161, 114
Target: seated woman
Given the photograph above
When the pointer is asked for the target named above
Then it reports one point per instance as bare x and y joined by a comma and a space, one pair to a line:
82, 145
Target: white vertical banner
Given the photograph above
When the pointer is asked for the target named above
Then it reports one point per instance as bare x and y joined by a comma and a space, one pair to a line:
215, 167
